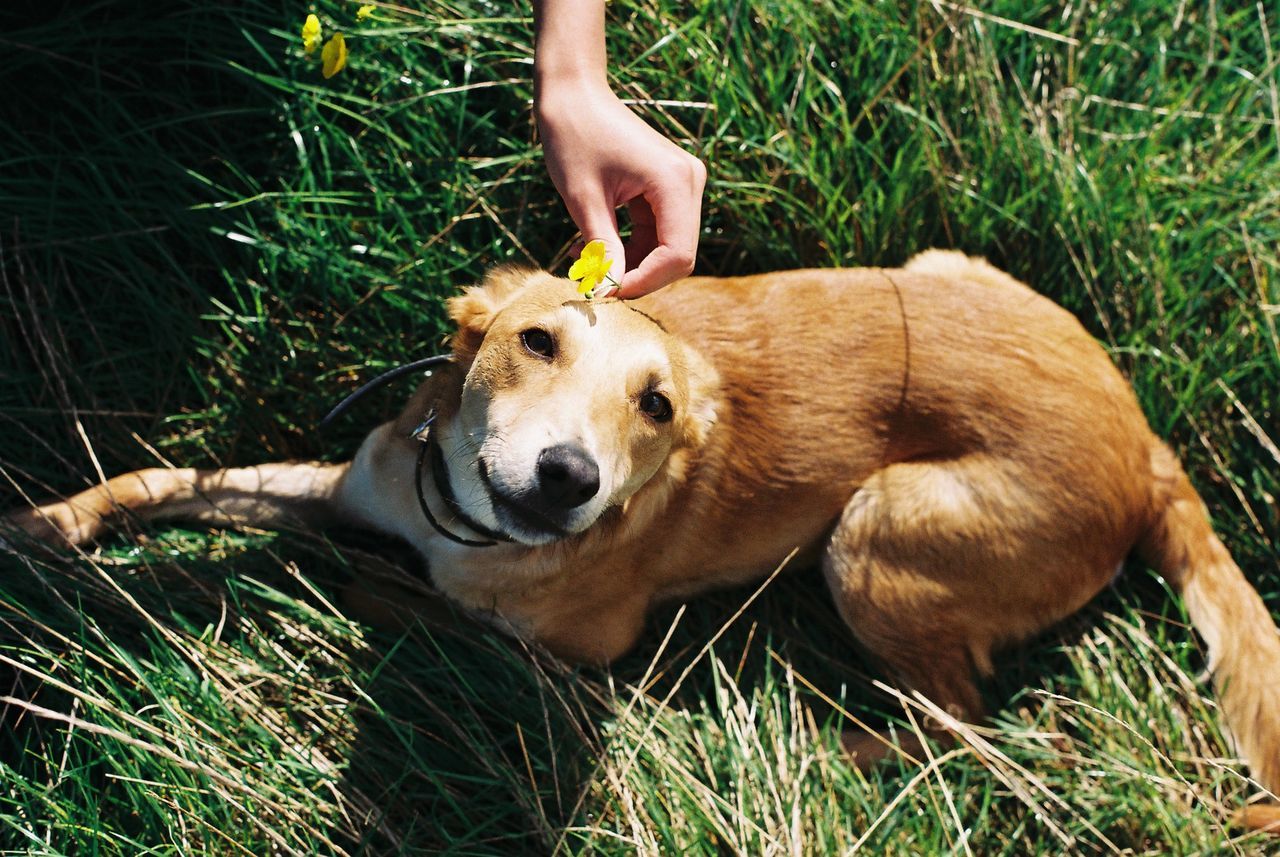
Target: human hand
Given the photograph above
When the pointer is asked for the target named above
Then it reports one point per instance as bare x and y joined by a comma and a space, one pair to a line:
602, 156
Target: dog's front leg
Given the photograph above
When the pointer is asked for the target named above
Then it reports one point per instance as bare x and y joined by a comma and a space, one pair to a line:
266, 495
596, 630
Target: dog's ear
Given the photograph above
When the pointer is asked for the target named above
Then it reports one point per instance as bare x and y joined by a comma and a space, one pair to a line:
705, 395
473, 310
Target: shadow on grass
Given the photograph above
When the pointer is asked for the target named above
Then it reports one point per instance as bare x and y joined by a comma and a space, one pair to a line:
462, 713
436, 736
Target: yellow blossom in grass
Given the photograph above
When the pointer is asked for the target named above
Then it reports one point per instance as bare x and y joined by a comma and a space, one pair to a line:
592, 267
310, 34
365, 12
334, 55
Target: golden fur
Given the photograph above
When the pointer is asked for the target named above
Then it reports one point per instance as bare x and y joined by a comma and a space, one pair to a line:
959, 454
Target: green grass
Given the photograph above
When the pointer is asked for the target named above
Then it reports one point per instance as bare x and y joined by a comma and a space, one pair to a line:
204, 245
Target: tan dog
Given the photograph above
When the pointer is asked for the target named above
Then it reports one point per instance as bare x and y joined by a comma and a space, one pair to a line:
960, 455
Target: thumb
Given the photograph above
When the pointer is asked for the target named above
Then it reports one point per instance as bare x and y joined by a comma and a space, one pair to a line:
601, 224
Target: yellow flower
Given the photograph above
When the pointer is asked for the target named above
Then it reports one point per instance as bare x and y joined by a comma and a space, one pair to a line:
310, 34
365, 12
334, 56
592, 267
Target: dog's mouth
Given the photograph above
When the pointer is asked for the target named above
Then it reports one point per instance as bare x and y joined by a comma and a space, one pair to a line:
518, 518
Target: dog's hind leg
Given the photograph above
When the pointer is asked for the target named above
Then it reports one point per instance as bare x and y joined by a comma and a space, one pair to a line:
267, 495
935, 563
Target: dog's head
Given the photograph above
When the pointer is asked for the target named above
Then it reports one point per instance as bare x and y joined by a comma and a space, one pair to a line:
568, 408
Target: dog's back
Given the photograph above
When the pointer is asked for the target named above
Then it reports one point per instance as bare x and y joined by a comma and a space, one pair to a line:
832, 375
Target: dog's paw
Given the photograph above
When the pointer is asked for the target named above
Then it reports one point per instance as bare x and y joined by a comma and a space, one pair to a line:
56, 524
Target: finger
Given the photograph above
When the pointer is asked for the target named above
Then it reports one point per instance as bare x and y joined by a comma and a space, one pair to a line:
677, 215
599, 222
644, 233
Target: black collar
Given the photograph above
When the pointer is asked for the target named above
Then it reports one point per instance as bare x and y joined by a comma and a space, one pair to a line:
439, 472
440, 475
382, 380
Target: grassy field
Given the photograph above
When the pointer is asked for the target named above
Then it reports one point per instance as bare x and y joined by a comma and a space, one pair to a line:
204, 244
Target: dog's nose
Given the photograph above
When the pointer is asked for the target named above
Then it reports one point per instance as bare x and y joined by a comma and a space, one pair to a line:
567, 476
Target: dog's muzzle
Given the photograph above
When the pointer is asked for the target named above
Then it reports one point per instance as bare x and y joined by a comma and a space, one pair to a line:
567, 477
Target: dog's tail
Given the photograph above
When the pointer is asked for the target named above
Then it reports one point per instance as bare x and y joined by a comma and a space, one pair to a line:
950, 263
1243, 642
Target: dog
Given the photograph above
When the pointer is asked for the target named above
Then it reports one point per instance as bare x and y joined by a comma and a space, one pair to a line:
958, 453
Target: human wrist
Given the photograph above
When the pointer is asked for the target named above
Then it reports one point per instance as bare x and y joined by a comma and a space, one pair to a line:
568, 83
569, 48
564, 97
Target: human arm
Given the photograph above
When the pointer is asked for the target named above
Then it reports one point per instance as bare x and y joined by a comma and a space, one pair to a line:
602, 156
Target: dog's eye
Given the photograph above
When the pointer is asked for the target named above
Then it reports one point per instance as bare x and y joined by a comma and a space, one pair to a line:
539, 342
656, 407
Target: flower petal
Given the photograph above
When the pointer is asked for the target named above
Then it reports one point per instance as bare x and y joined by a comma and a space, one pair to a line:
334, 55
310, 34
364, 12
593, 251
